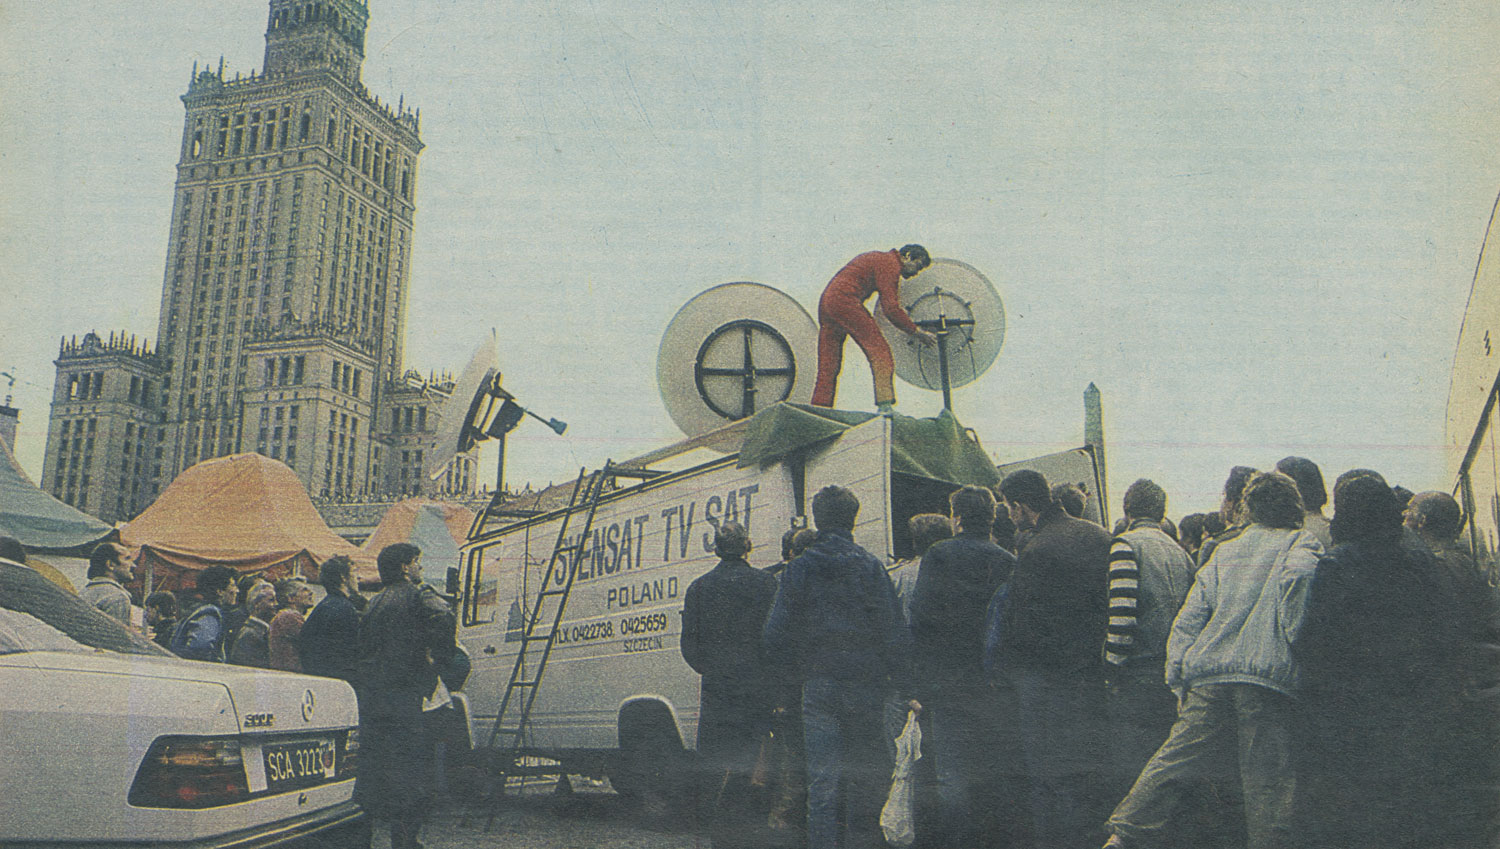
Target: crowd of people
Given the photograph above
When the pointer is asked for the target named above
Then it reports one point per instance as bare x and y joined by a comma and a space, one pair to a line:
1261, 677
393, 648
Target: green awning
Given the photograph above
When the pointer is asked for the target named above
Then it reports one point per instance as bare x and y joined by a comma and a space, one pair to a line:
935, 448
39, 521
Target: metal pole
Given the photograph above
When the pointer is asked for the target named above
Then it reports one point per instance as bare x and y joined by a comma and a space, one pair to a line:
943, 370
500, 467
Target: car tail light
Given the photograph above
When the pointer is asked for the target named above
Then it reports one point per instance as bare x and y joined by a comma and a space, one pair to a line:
350, 762
190, 772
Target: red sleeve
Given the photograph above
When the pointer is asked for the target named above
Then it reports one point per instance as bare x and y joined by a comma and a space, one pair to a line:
887, 280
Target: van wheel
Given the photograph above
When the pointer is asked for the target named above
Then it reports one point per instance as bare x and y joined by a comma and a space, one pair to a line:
652, 771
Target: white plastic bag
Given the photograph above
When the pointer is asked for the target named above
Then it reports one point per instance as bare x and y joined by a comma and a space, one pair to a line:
897, 818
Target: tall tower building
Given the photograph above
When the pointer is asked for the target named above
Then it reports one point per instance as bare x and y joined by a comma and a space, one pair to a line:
283, 304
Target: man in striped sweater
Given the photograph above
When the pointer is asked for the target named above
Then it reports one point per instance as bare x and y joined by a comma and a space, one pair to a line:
1149, 578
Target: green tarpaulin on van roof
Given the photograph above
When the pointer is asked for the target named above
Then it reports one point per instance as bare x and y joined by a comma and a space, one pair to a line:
934, 448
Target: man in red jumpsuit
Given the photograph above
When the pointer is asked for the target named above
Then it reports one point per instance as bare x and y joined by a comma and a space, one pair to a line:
841, 313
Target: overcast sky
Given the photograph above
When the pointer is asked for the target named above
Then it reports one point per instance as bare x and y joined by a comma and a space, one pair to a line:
1254, 226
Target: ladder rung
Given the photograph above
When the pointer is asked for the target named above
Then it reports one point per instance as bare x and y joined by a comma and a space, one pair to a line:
575, 546
545, 593
631, 472
531, 638
511, 731
532, 683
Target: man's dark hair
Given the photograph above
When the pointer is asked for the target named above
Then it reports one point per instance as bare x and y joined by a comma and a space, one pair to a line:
101, 558
1309, 480
1365, 509
1234, 485
163, 602
1213, 525
928, 528
1071, 498
334, 572
834, 508
974, 507
1403, 495
917, 253
12, 549
1441, 516
1027, 487
244, 584
731, 541
803, 540
786, 544
1354, 475
1191, 530
212, 581
1271, 499
1003, 532
1145, 500
393, 559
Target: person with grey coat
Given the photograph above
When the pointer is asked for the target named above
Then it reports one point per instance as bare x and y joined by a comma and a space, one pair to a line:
1229, 658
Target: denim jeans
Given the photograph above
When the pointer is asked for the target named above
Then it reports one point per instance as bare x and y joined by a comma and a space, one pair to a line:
1061, 726
1246, 723
1142, 711
980, 775
847, 764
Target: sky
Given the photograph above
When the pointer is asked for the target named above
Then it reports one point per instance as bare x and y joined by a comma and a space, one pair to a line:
1253, 226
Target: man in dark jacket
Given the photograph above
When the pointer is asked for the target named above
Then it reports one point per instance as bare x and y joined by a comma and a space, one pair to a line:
406, 629
954, 585
1050, 641
722, 617
252, 645
835, 621
330, 637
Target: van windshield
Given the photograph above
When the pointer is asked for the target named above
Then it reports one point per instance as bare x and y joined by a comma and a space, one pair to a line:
38, 615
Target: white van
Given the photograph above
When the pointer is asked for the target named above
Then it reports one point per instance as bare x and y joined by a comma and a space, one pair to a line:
616, 697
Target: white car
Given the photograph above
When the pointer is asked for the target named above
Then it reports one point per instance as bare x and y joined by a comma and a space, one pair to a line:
106, 739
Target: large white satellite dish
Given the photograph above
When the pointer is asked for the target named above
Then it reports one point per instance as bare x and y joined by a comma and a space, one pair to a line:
732, 351
955, 301
454, 417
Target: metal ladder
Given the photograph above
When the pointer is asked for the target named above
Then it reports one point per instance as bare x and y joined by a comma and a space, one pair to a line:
539, 635
537, 640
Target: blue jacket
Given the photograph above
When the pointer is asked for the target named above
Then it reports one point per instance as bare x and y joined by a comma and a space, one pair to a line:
201, 635
330, 639
954, 587
836, 616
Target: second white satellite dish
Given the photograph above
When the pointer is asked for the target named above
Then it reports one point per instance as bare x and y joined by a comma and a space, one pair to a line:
954, 300
732, 351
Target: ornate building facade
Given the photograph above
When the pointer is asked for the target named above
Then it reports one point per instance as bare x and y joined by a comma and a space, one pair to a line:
283, 307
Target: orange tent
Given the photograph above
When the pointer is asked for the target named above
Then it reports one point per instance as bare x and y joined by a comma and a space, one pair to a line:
244, 511
437, 527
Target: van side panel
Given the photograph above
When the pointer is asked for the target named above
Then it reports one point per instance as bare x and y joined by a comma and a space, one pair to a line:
620, 635
860, 460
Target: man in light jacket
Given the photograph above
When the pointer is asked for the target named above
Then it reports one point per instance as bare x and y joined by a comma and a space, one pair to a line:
1229, 660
